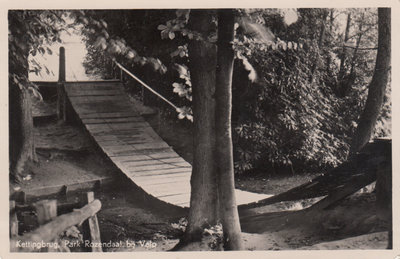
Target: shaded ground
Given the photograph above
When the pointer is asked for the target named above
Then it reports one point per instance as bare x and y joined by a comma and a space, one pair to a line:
66, 154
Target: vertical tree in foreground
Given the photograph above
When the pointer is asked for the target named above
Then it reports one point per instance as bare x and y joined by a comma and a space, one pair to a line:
377, 87
211, 66
224, 150
203, 200
29, 31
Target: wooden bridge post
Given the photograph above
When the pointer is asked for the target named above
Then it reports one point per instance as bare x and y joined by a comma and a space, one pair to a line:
61, 72
121, 75
46, 210
13, 220
61, 96
91, 226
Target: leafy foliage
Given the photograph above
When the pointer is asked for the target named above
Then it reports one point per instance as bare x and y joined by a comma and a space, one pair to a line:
292, 119
29, 33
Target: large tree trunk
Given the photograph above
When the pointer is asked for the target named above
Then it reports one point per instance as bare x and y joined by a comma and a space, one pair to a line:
203, 200
378, 84
224, 153
21, 138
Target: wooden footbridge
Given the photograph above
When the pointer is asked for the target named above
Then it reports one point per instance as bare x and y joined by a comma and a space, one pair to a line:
129, 141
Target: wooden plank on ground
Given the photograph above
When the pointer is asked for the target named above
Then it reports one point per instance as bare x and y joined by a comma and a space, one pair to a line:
94, 229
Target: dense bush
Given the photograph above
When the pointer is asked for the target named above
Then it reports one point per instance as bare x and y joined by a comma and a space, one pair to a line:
283, 119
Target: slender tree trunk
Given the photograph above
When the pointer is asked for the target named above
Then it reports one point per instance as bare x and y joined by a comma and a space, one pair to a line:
223, 110
343, 57
202, 65
21, 134
320, 44
21, 147
377, 87
329, 59
358, 42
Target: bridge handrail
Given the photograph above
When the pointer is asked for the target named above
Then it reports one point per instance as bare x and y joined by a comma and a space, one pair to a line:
147, 86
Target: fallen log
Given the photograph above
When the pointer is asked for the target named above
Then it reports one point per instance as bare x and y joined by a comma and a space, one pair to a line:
48, 232
359, 171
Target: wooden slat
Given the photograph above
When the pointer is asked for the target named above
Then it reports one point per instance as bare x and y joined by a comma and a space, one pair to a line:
135, 147
89, 87
136, 142
99, 92
183, 198
96, 115
154, 161
159, 174
116, 126
120, 99
113, 153
178, 190
132, 141
153, 167
102, 109
179, 181
128, 138
113, 120
167, 171
137, 132
167, 189
151, 157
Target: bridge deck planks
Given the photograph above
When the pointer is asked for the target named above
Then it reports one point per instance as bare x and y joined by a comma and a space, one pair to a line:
130, 142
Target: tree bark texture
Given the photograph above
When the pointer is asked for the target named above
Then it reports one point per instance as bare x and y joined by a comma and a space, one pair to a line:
343, 57
224, 151
377, 87
21, 135
202, 65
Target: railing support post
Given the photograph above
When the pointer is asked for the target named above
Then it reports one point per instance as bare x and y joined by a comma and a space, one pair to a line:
61, 98
61, 74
